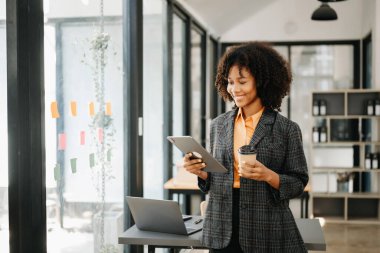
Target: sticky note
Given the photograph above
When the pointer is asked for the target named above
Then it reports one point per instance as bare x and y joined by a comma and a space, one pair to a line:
73, 163
108, 109
82, 137
57, 172
100, 135
91, 108
73, 108
92, 160
61, 141
54, 110
109, 155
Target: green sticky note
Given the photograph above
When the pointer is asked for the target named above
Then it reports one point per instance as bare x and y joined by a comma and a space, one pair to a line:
57, 172
92, 160
109, 155
73, 163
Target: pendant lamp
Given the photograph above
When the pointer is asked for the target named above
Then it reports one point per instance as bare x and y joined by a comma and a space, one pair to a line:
325, 12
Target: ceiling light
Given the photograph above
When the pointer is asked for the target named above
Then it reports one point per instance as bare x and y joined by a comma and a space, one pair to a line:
325, 12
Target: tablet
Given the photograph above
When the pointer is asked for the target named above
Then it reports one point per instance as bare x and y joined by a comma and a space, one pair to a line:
188, 145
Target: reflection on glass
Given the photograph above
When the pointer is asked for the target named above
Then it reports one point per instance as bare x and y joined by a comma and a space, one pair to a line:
323, 67
4, 233
84, 145
178, 83
196, 84
153, 99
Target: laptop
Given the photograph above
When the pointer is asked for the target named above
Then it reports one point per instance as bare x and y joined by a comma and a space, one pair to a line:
161, 216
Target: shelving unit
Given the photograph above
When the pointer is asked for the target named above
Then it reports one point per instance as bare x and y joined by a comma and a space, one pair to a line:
351, 133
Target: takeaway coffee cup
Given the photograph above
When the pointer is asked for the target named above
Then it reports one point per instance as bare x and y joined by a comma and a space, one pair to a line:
247, 153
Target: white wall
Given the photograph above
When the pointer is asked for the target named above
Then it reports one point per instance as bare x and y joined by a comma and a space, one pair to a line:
290, 20
368, 16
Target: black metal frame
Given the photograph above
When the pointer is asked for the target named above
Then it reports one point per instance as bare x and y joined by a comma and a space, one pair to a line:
26, 126
133, 78
213, 92
366, 40
168, 93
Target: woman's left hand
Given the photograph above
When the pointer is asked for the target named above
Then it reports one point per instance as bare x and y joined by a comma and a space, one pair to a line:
256, 171
259, 172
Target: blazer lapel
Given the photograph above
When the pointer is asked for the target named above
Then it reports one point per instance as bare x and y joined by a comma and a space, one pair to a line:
229, 137
263, 127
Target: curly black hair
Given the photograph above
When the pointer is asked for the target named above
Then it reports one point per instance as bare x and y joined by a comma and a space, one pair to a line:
270, 70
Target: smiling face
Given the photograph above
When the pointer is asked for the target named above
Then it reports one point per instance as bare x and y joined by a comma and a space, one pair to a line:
242, 87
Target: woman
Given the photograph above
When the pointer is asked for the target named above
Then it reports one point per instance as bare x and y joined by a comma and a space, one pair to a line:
248, 209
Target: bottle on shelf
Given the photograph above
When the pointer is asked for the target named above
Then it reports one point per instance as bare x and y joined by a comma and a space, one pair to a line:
323, 134
369, 107
322, 107
367, 162
375, 161
315, 134
315, 108
377, 107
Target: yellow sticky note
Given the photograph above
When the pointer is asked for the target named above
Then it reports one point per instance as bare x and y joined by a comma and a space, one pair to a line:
108, 109
91, 108
73, 108
54, 110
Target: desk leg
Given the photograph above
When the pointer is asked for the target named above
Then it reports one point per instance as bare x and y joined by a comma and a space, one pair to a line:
302, 203
188, 203
151, 248
307, 205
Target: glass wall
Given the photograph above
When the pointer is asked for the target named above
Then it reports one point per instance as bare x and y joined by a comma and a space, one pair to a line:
153, 98
320, 67
283, 51
84, 125
179, 70
4, 232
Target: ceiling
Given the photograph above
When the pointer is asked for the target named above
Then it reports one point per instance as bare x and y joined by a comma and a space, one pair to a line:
222, 15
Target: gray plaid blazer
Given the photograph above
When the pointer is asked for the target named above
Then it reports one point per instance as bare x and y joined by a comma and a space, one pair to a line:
266, 222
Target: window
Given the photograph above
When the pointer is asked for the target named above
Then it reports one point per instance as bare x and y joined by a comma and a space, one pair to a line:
179, 70
317, 67
197, 85
153, 98
4, 233
84, 126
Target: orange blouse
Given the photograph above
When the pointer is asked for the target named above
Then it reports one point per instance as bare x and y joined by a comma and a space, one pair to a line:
243, 132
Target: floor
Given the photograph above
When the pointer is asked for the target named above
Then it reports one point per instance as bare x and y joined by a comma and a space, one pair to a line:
344, 238
352, 238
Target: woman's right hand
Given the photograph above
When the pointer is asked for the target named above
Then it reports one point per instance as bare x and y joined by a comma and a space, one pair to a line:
195, 166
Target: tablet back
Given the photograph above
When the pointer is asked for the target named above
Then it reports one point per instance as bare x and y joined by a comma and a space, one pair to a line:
187, 144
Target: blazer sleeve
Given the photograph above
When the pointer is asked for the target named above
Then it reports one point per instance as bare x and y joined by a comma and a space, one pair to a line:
294, 175
204, 185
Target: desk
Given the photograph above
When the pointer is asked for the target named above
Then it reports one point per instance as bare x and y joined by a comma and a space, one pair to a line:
310, 230
188, 190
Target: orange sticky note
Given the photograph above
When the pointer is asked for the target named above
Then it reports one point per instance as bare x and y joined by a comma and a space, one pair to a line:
91, 108
73, 108
61, 141
108, 109
100, 135
82, 137
54, 110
